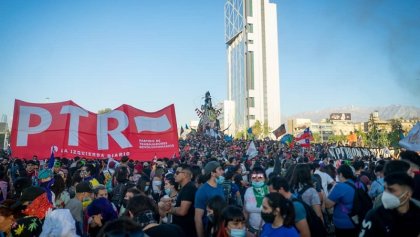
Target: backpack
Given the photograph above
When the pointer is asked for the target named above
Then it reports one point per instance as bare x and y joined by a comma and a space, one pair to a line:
118, 193
362, 203
227, 189
359, 184
316, 226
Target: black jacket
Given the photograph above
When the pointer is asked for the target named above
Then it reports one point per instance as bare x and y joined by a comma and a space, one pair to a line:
385, 223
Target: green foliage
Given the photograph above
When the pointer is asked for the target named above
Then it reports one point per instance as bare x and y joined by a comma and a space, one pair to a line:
377, 138
364, 138
337, 138
104, 111
240, 134
266, 130
317, 137
257, 129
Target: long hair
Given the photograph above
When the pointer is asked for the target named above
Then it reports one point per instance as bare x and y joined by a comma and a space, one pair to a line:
59, 185
217, 204
140, 203
287, 210
301, 176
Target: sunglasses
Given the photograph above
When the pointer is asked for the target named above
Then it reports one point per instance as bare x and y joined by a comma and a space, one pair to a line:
257, 176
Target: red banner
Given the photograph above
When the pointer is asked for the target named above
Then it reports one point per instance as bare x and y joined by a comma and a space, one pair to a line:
78, 132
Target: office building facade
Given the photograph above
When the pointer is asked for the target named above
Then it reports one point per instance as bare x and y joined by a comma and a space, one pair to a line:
252, 64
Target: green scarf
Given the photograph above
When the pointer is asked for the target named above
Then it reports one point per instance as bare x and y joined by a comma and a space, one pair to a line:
259, 194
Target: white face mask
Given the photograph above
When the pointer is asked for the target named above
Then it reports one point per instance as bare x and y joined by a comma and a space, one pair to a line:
391, 201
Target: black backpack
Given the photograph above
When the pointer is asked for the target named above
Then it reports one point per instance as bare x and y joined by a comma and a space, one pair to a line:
118, 193
362, 203
316, 226
227, 189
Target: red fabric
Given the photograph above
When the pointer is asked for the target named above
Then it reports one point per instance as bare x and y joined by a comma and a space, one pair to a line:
38, 207
77, 132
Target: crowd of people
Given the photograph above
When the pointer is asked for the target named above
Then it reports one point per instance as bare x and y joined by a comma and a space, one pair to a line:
213, 189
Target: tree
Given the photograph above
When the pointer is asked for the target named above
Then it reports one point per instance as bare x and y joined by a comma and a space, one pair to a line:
395, 135
257, 129
266, 130
104, 111
377, 138
240, 134
363, 136
337, 138
317, 137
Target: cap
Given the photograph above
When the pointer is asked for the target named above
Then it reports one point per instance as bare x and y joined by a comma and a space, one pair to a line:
84, 187
111, 165
44, 174
28, 195
57, 163
210, 167
31, 162
146, 164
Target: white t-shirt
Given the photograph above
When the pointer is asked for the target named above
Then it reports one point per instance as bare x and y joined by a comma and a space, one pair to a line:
269, 171
252, 209
325, 180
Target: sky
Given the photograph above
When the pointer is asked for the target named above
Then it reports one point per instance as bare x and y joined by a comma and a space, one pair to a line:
149, 54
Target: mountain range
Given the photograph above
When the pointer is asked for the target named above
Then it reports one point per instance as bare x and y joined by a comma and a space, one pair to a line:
361, 114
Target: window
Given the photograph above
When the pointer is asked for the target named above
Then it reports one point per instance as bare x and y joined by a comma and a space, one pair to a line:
251, 116
249, 8
250, 70
251, 102
250, 28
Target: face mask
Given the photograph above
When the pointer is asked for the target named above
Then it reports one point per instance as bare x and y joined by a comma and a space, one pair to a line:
237, 232
220, 179
257, 184
157, 183
146, 188
391, 201
268, 217
86, 199
168, 191
210, 217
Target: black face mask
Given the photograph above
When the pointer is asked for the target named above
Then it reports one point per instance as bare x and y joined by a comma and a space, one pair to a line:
268, 217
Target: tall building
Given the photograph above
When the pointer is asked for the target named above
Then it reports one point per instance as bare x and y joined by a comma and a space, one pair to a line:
252, 63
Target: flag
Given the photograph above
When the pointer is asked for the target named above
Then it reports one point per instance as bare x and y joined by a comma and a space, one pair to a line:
286, 139
249, 130
52, 158
228, 138
279, 131
186, 126
182, 130
251, 152
304, 138
412, 140
306, 134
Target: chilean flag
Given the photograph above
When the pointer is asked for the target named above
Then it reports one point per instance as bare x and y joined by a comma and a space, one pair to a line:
304, 139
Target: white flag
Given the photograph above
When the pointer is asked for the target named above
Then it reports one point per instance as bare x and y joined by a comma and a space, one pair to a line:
251, 152
412, 140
